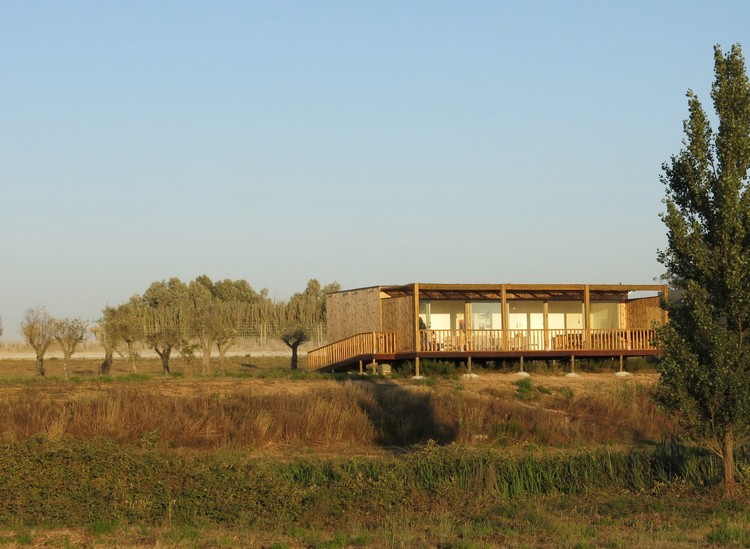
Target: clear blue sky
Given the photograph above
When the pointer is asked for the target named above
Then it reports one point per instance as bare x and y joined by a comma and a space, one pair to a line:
376, 142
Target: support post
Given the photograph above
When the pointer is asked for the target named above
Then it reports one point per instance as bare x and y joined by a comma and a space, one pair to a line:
521, 372
572, 372
622, 372
361, 368
546, 326
504, 307
417, 345
587, 316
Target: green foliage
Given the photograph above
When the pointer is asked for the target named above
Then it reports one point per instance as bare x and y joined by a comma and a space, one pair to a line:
506, 431
441, 368
103, 526
705, 370
405, 370
24, 538
725, 534
100, 485
524, 388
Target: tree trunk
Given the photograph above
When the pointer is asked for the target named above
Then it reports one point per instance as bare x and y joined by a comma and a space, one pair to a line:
222, 353
105, 366
66, 358
206, 348
164, 355
294, 356
727, 456
40, 364
131, 355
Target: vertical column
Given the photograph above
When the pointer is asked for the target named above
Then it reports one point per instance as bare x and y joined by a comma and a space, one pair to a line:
466, 336
587, 316
417, 345
504, 307
546, 326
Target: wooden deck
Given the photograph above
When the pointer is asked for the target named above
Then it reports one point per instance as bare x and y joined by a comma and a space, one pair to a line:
484, 344
351, 350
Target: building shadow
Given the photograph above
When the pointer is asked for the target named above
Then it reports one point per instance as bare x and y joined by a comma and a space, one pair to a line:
402, 415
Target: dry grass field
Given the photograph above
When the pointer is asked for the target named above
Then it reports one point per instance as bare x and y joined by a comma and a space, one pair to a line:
256, 404
347, 460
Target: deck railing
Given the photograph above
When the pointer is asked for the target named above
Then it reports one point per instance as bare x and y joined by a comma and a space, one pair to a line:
369, 343
536, 340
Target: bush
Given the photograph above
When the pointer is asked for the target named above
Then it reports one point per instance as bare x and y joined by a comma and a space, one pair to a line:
440, 368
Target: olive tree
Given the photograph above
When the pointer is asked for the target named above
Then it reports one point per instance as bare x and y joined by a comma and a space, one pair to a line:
705, 365
39, 330
293, 337
203, 318
123, 324
69, 333
166, 309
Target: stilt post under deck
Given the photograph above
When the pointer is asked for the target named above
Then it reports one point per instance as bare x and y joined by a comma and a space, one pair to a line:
572, 372
416, 367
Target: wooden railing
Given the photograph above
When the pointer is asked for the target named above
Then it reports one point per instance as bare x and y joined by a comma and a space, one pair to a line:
369, 343
536, 340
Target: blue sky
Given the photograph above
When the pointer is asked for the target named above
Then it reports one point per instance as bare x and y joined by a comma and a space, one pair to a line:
365, 142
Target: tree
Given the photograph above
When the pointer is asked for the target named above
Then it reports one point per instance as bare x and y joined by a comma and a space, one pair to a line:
293, 338
705, 365
203, 322
122, 324
39, 330
69, 332
166, 312
1, 326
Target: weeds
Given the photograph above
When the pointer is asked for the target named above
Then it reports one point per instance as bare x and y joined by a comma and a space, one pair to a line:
364, 412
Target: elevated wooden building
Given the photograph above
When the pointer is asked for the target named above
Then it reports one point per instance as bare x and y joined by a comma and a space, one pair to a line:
488, 321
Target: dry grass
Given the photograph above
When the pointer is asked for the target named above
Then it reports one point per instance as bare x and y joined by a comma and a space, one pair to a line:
331, 415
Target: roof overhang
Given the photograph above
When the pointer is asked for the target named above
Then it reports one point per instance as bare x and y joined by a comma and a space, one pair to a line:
544, 292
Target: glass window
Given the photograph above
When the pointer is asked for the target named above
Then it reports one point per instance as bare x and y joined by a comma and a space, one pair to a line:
486, 315
605, 315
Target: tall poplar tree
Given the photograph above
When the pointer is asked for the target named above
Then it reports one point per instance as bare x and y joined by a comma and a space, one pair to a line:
705, 366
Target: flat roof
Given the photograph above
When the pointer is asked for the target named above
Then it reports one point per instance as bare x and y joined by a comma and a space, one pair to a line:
515, 291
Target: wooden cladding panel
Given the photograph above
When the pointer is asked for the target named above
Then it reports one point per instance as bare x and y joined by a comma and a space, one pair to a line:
398, 317
353, 312
643, 313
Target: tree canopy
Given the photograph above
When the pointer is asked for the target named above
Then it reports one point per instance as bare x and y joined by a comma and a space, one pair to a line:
39, 330
209, 315
705, 365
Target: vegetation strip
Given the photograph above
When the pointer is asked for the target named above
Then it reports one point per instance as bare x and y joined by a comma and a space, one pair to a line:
76, 483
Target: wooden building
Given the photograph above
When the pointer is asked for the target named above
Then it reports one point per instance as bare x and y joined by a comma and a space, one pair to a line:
488, 321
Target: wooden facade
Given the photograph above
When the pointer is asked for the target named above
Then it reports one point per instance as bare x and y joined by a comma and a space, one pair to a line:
489, 321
